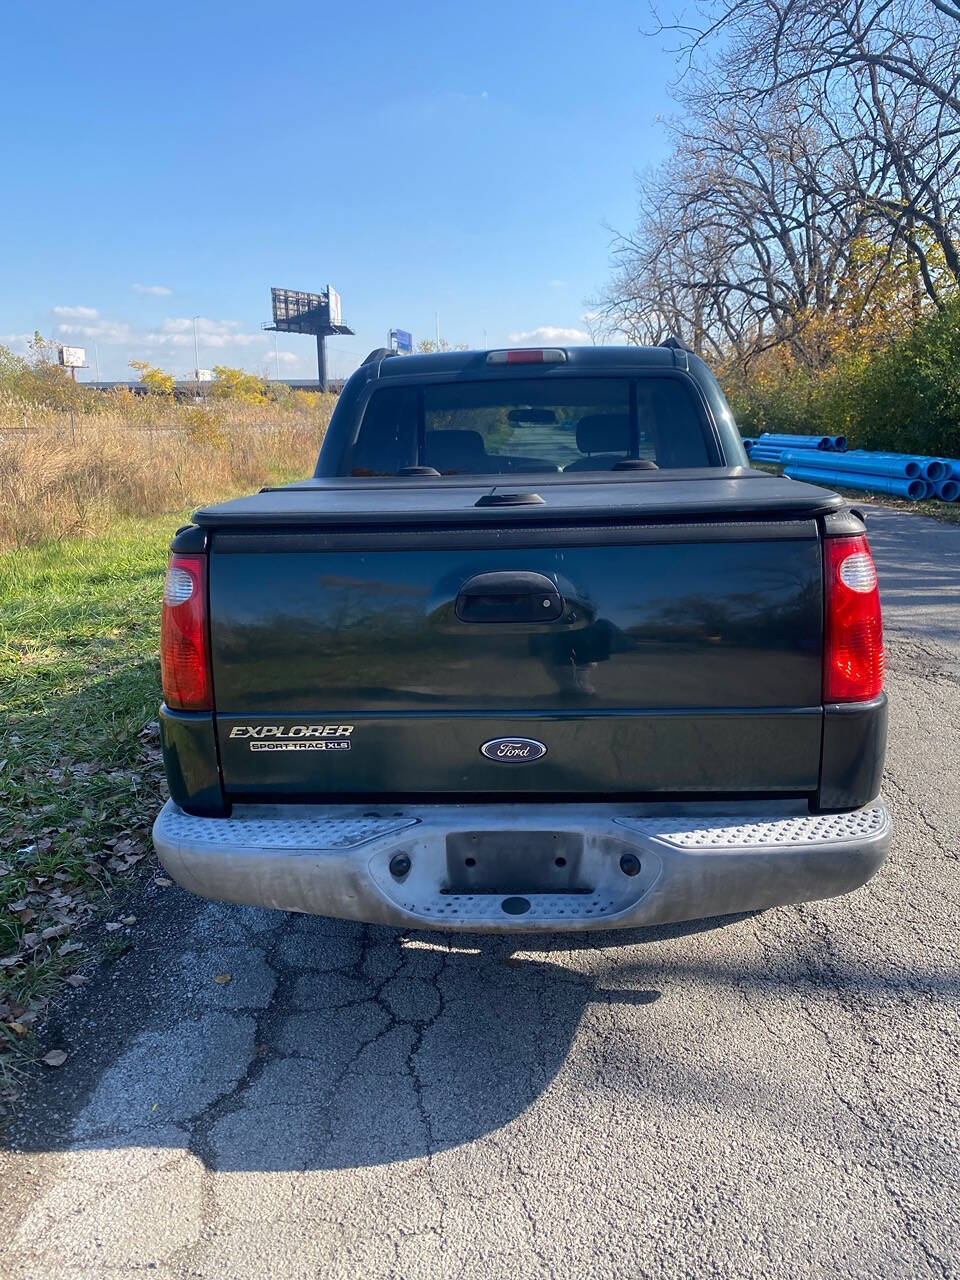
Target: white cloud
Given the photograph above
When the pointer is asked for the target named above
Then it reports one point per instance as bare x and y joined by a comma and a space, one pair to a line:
107, 331
551, 333
76, 313
158, 290
18, 343
178, 332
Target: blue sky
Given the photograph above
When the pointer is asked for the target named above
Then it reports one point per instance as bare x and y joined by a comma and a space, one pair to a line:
162, 162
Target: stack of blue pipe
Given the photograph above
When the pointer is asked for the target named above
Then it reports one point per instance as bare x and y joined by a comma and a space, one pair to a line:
827, 460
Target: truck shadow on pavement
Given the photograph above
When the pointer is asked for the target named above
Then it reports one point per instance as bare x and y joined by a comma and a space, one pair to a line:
266, 1042
330, 1044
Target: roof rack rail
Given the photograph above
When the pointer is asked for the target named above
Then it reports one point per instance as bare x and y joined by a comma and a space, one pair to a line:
376, 355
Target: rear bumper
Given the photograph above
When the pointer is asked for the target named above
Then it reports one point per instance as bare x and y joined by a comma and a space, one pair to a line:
694, 860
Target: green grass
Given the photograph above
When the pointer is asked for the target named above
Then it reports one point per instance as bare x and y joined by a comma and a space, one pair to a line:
80, 778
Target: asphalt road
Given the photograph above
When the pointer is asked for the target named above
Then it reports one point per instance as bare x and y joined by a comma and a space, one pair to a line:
774, 1095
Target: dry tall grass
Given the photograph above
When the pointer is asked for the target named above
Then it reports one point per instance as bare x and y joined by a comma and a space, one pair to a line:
131, 455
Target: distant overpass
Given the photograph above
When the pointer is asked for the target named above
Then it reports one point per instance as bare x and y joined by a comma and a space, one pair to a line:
186, 389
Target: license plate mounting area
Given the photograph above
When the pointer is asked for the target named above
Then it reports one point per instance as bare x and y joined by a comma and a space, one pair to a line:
515, 862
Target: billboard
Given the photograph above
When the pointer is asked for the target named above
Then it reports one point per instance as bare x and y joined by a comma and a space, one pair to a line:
297, 312
401, 341
289, 305
73, 357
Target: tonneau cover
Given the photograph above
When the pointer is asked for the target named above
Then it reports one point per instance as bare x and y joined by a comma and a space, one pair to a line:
699, 494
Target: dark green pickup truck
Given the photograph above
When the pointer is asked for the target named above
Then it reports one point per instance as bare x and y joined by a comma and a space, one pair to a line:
533, 649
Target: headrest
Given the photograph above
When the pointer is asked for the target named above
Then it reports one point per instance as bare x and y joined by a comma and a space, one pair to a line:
453, 450
604, 433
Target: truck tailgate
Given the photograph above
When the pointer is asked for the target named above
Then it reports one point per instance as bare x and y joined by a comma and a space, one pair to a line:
669, 658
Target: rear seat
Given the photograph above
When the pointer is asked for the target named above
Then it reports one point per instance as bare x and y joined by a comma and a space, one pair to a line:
464, 453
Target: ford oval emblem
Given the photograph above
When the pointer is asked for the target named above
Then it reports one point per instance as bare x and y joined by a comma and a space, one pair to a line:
513, 750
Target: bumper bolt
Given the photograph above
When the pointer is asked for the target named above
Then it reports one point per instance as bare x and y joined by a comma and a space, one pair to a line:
399, 865
630, 864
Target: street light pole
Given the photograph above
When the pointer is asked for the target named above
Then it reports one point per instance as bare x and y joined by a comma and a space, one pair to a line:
196, 354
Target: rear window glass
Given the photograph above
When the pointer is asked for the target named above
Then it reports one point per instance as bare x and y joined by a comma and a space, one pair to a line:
531, 425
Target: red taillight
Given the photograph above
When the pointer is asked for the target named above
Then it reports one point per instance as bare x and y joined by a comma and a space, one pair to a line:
184, 653
853, 649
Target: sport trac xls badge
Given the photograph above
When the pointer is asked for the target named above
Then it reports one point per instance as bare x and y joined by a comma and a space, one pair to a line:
294, 737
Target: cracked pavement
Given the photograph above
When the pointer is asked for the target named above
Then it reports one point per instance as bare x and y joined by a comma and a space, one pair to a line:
771, 1095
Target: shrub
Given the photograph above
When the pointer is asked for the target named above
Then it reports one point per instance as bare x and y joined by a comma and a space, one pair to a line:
908, 397
39, 379
235, 384
157, 381
904, 396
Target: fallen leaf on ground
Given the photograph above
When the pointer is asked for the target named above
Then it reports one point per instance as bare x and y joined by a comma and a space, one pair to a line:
113, 926
67, 947
128, 920
7, 962
162, 882
18, 1028
55, 1058
19, 906
76, 979
223, 978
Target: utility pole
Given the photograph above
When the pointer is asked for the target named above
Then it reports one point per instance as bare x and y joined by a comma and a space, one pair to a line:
322, 361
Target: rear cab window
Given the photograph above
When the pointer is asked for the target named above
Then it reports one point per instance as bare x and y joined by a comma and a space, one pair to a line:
533, 426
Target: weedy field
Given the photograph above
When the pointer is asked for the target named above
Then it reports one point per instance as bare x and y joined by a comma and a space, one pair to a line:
75, 470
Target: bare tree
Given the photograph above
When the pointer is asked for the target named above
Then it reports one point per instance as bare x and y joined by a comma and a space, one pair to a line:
881, 78
745, 234
814, 184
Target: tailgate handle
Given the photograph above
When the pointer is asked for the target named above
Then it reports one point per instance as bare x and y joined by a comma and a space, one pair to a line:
509, 596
